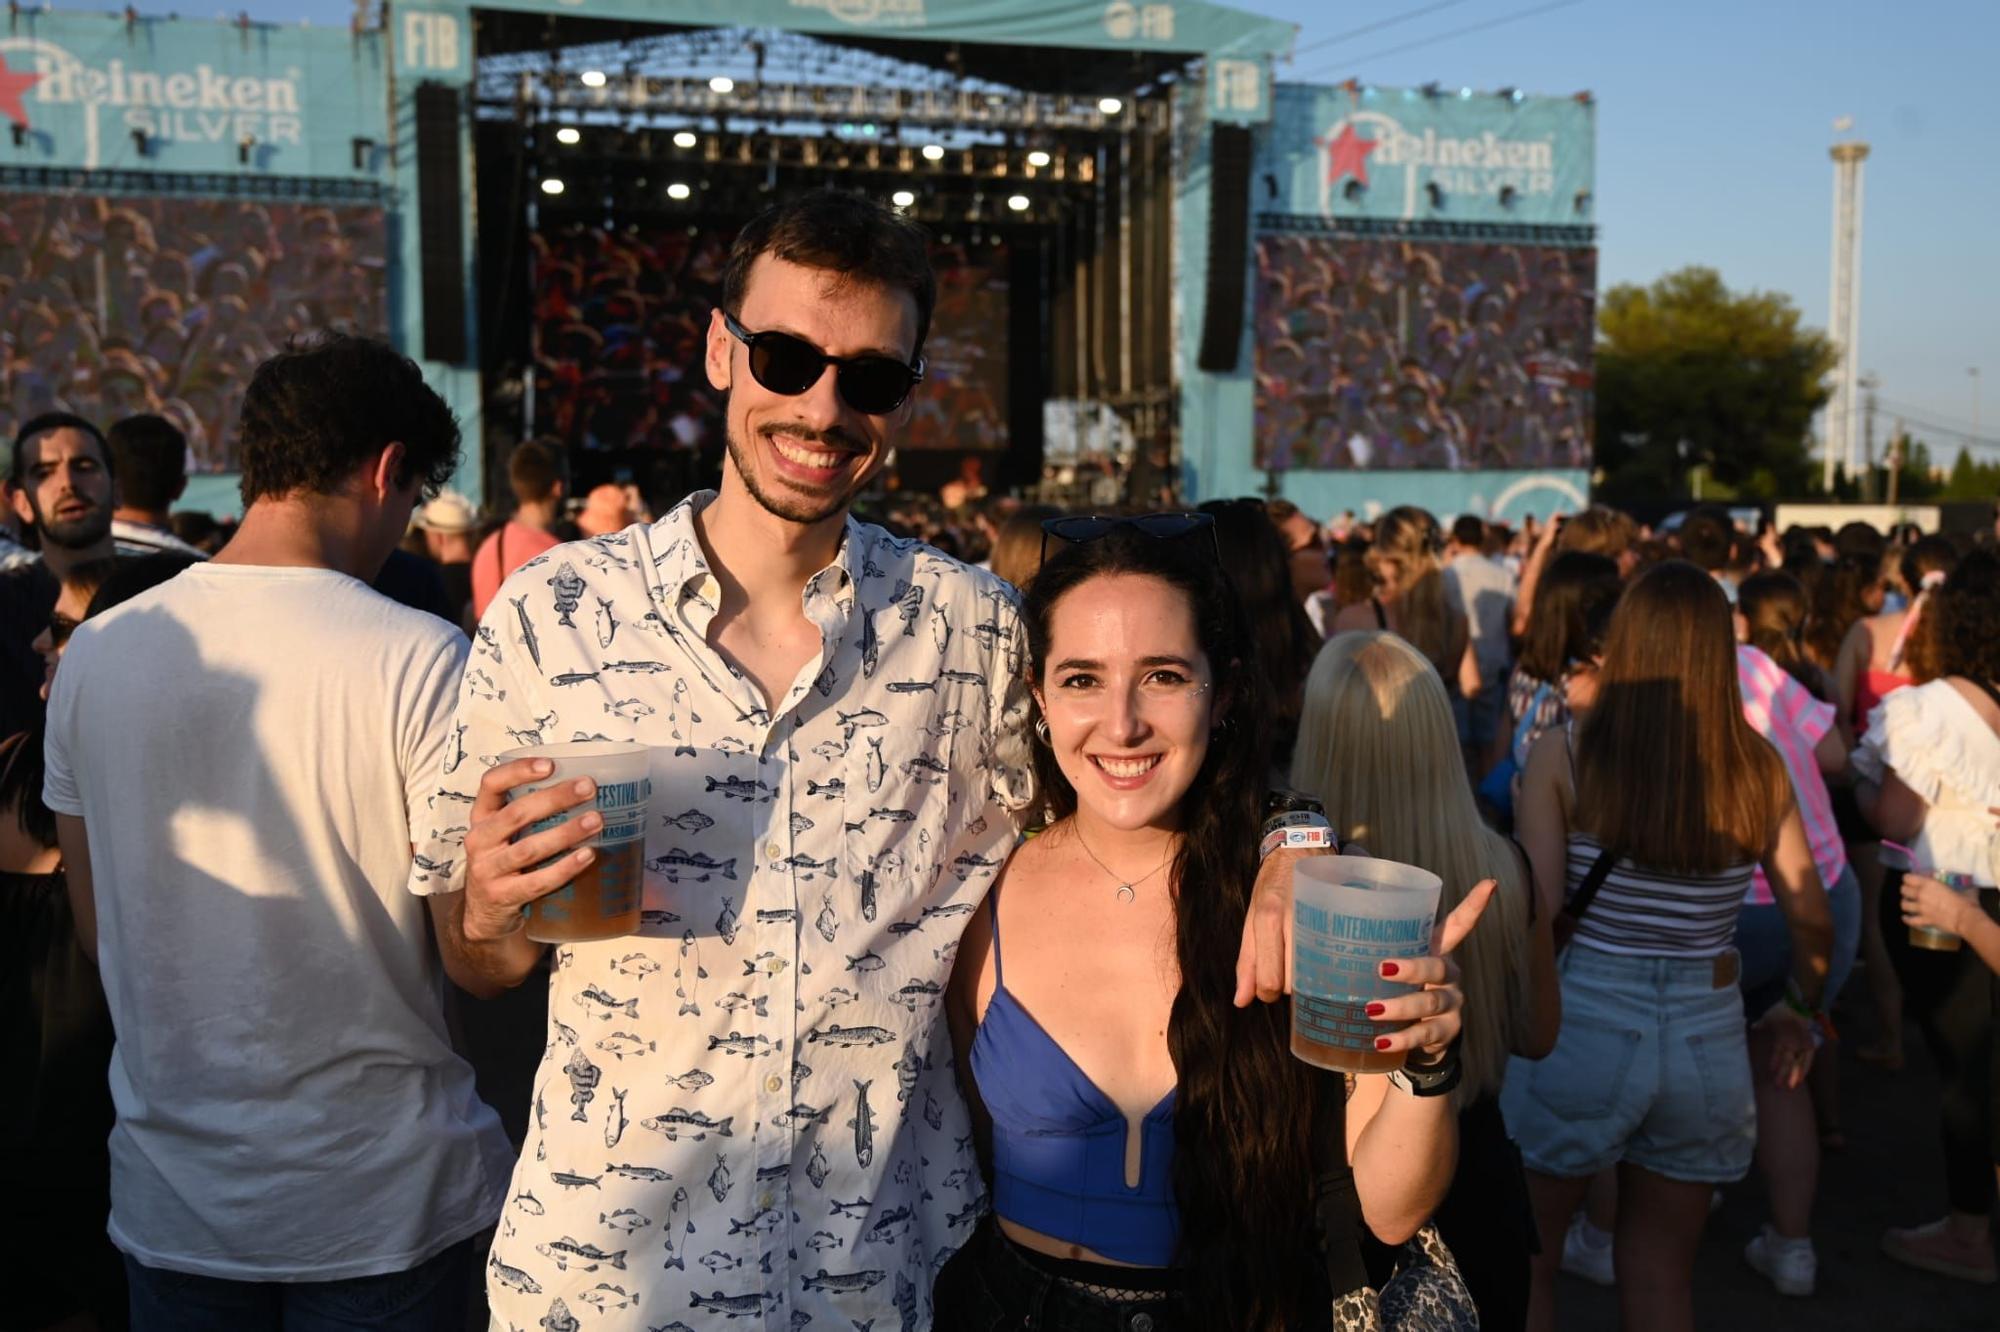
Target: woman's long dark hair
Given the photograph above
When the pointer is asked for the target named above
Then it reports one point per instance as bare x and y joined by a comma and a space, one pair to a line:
1245, 1107
1274, 620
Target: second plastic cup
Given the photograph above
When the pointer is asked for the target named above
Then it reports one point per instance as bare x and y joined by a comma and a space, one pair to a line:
1349, 915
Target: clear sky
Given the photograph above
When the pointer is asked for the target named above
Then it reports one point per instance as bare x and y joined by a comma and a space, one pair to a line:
1714, 118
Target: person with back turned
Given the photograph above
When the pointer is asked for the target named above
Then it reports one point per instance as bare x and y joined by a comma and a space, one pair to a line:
236, 759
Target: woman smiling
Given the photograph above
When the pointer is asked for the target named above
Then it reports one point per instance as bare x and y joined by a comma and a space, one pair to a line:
1151, 1144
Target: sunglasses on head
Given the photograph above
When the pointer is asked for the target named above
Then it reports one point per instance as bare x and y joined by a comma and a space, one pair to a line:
1080, 529
873, 385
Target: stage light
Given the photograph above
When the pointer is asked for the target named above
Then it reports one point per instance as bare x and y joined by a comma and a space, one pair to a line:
139, 141
1038, 158
1110, 106
1465, 93
20, 133
1507, 196
902, 198
722, 83
552, 185
933, 152
1435, 192
684, 139
1018, 202
1582, 201
1353, 189
243, 147
569, 134
364, 152
678, 190
592, 78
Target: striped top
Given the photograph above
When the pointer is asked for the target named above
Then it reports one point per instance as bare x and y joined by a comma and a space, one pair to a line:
1641, 912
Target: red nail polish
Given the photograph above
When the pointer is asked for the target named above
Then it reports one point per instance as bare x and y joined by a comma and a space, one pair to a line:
1377, 1010
1381, 1042
1389, 968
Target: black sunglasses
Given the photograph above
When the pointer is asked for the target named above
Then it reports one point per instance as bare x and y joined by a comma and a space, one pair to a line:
1079, 529
873, 385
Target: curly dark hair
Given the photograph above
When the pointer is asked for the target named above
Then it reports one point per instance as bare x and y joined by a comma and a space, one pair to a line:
1244, 1106
315, 411
843, 233
1968, 623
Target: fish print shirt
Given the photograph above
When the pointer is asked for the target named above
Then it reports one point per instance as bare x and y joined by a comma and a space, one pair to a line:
747, 1111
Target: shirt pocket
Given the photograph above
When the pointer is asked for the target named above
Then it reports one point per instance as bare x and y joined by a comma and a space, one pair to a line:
901, 808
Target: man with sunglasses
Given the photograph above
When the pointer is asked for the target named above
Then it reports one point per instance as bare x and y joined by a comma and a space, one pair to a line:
747, 1109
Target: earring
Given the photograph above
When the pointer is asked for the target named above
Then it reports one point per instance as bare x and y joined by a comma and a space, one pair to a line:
1042, 730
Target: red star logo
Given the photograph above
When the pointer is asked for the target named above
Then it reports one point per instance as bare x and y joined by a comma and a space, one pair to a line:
1347, 155
12, 86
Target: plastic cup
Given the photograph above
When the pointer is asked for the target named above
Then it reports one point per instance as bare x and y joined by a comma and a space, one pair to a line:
602, 901
1929, 936
1349, 915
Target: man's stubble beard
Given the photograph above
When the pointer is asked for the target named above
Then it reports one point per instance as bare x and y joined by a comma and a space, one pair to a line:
792, 510
77, 534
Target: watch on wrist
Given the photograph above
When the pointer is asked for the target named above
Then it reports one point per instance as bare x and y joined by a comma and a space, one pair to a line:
1439, 1078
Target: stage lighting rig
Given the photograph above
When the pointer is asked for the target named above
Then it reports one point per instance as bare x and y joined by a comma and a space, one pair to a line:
591, 78
569, 134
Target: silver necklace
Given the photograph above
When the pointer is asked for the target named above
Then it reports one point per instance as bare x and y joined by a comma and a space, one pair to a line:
1125, 887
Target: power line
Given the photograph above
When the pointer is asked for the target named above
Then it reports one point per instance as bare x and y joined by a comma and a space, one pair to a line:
1373, 27
1435, 38
1936, 416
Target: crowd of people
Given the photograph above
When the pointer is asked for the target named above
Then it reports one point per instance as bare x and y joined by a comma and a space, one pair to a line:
1375, 354
121, 306
959, 995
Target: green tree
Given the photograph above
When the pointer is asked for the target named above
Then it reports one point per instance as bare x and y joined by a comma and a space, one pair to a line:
1692, 374
1970, 480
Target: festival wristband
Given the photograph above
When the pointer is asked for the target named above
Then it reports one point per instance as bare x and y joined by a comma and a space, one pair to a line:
1297, 830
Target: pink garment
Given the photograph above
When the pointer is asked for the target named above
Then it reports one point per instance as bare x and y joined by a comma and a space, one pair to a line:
1784, 712
502, 553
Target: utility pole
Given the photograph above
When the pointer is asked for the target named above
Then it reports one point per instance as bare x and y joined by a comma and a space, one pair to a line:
1844, 301
1896, 462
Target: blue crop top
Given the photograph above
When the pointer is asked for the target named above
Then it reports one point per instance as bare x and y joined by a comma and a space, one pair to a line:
1059, 1142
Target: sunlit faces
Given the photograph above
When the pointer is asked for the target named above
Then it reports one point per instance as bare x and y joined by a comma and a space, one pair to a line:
1129, 697
70, 607
804, 457
66, 489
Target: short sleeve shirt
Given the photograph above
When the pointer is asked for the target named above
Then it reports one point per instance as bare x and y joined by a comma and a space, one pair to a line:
747, 1110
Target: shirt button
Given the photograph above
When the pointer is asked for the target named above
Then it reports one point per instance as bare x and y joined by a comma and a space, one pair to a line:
772, 850
774, 1084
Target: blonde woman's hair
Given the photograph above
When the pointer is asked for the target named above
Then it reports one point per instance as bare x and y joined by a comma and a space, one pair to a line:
1409, 536
1378, 744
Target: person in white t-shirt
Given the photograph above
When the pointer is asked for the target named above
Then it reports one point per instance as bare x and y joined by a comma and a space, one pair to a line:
236, 759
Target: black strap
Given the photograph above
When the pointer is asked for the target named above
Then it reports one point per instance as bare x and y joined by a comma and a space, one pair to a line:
1381, 616
1336, 1206
1586, 892
1985, 687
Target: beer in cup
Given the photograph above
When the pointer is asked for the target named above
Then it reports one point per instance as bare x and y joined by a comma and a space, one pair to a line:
602, 901
1350, 914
